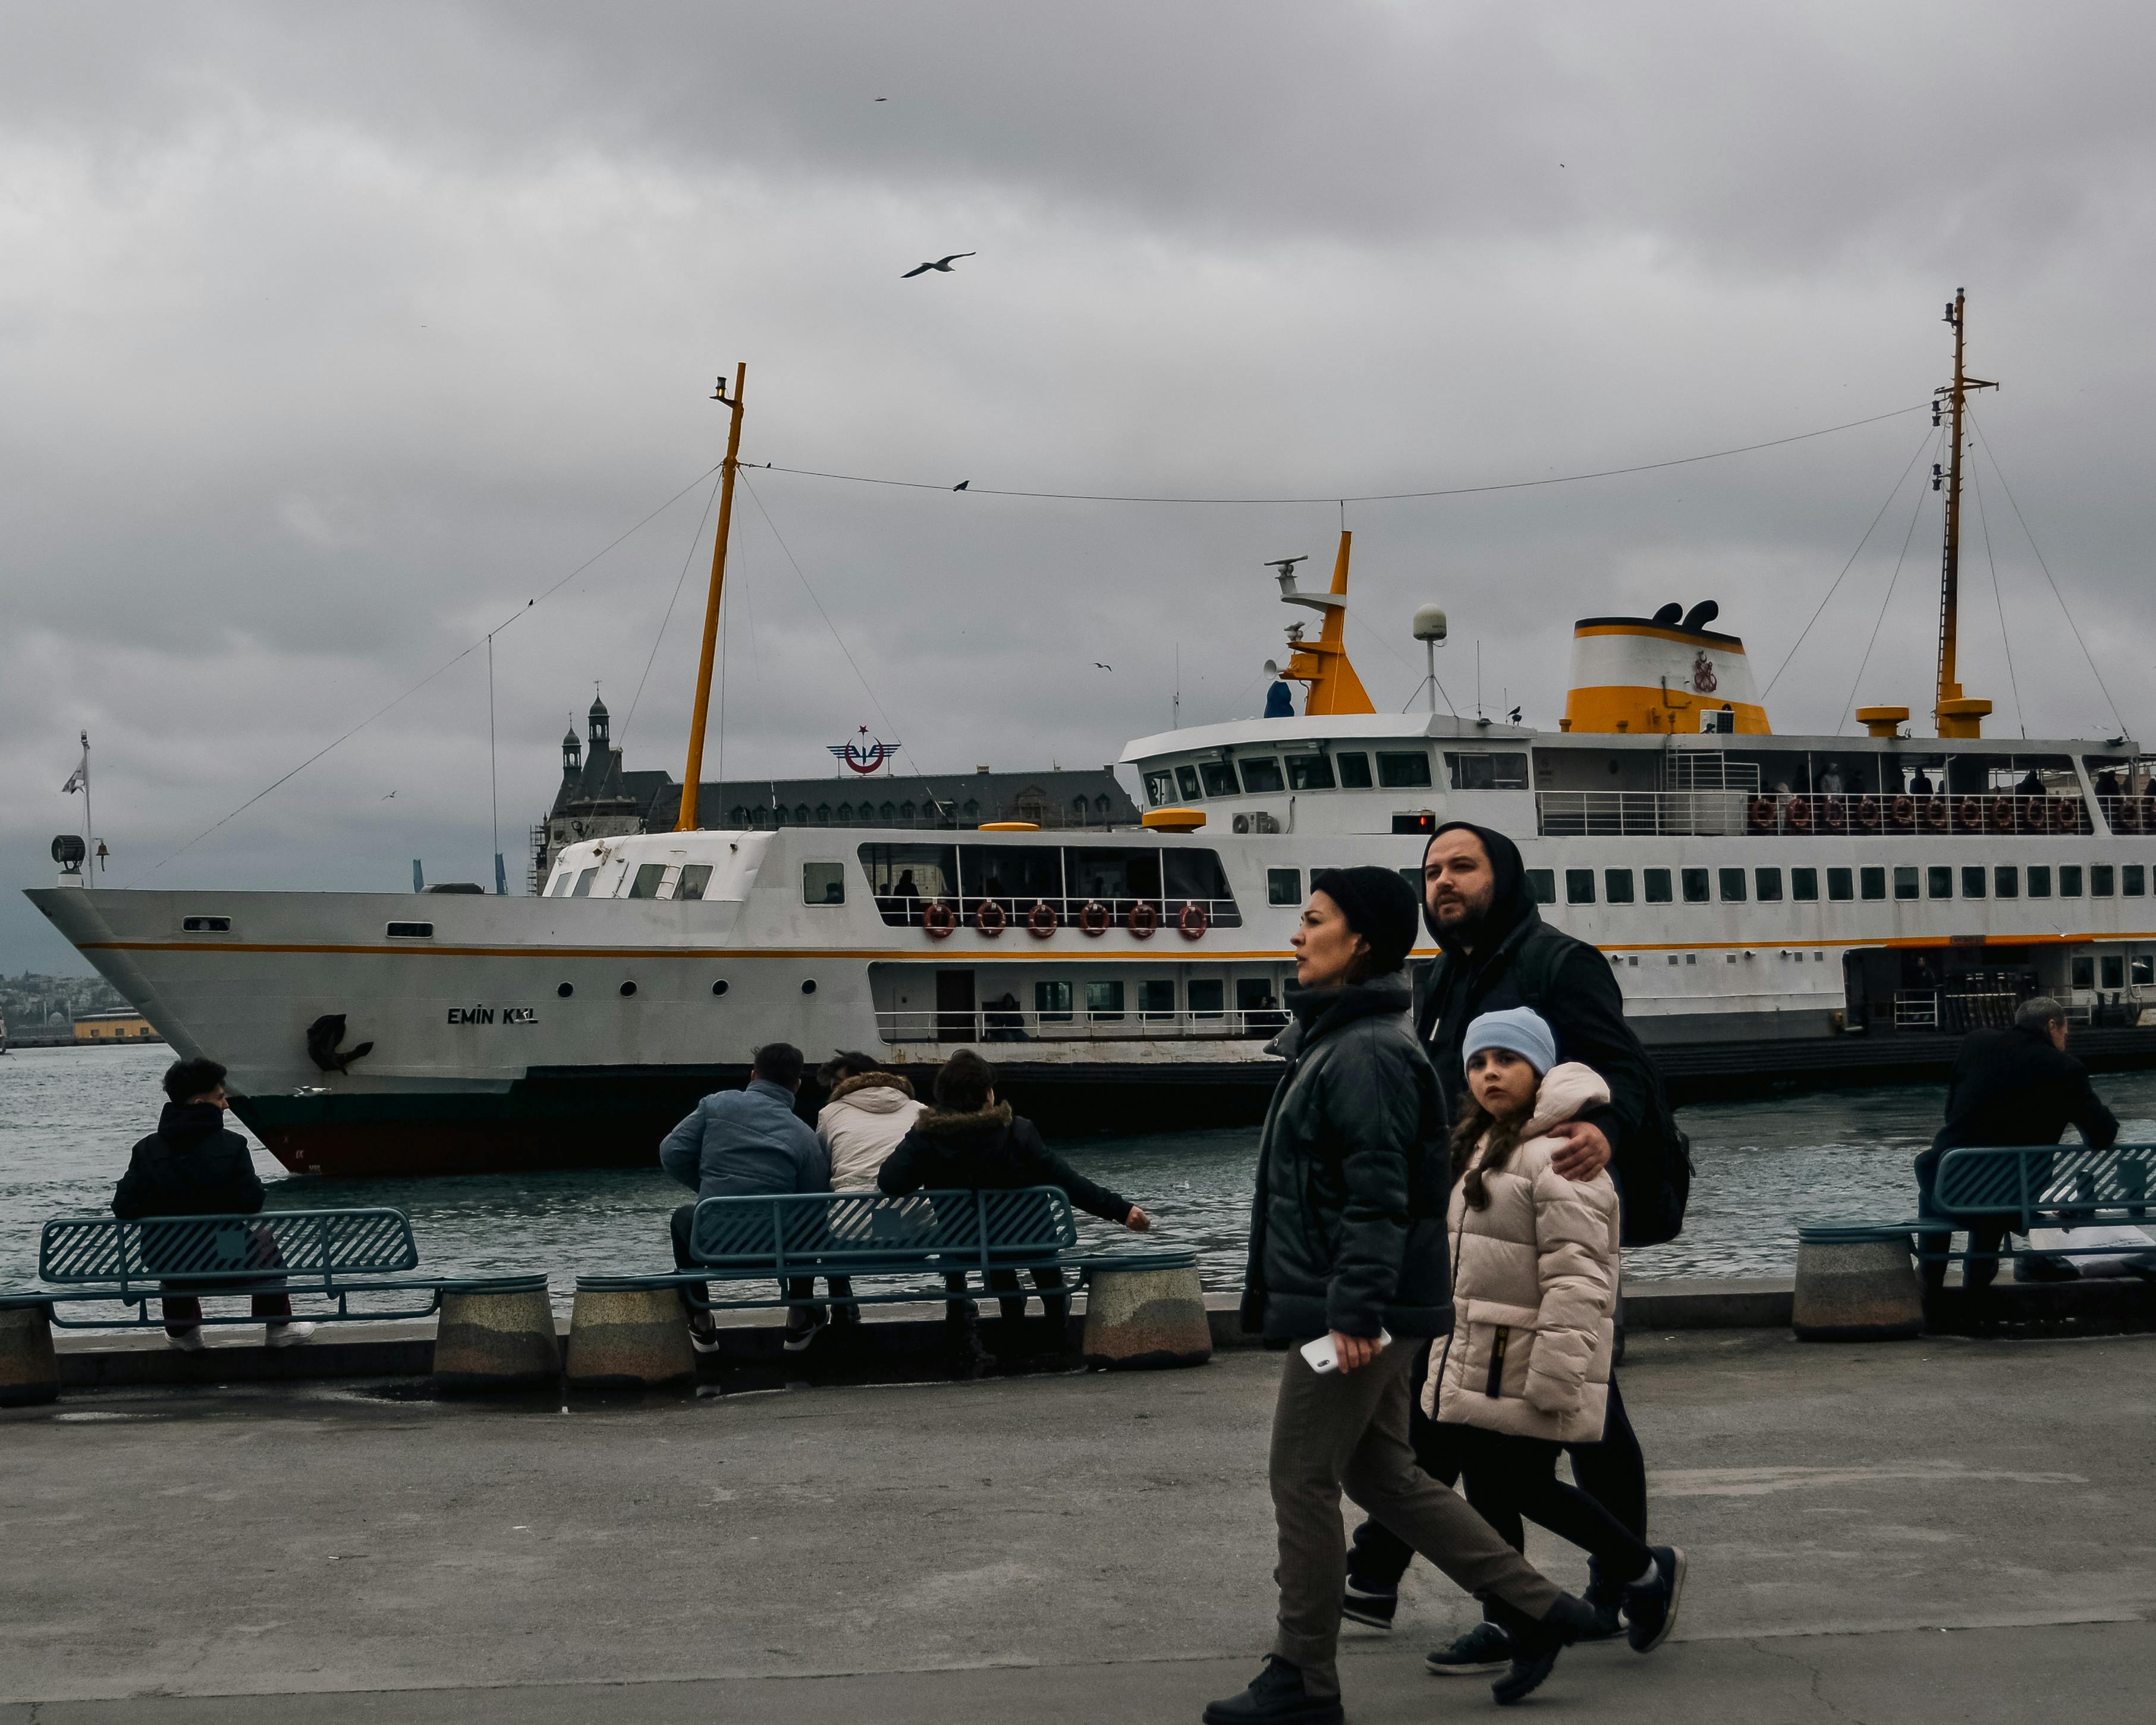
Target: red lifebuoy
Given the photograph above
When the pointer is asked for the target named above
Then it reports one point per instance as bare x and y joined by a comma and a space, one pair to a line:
1761, 815
1834, 814
2002, 814
1905, 811
2149, 815
939, 919
990, 918
1968, 815
1194, 921
1867, 814
1801, 814
1041, 921
1143, 920
1937, 816
2066, 814
2036, 814
1093, 918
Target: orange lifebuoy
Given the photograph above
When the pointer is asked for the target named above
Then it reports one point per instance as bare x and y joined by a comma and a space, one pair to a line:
1937, 816
1834, 814
2125, 814
990, 918
1143, 920
1801, 814
1041, 921
1968, 815
1905, 811
939, 919
1867, 814
2002, 814
1093, 918
1761, 815
1194, 921
2036, 814
2067, 814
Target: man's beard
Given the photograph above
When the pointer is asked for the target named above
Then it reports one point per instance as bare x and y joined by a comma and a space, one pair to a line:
1463, 929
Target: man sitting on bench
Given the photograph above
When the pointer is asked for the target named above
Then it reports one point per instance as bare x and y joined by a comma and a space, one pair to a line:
2009, 1087
191, 1166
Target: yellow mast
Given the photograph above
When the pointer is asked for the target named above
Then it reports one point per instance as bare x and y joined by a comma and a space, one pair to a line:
687, 824
1323, 664
1956, 715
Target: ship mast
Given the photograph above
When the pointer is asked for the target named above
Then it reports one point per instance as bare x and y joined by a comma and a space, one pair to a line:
694, 778
1955, 714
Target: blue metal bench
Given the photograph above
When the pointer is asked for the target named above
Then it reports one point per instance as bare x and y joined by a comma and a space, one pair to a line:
2041, 1186
327, 1254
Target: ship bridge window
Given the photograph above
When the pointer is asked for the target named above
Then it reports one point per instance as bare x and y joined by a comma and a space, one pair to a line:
1486, 772
1261, 774
1185, 781
1354, 770
1220, 779
823, 883
1160, 787
1401, 771
1309, 772
1695, 886
645, 884
1542, 885
694, 880
582, 888
564, 879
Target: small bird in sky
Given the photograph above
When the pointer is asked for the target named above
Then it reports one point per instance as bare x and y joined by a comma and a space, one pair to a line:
391, 795
962, 484
1097, 665
943, 264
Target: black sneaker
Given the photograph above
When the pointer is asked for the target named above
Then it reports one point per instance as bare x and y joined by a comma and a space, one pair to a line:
1276, 1697
1607, 1598
2044, 1266
1652, 1606
1537, 1644
1484, 1648
1362, 1605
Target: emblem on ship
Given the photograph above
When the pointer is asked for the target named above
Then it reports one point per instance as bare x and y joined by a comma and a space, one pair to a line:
869, 754
1703, 675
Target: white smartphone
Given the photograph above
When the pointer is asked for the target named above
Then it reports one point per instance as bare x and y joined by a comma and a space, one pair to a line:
1325, 1357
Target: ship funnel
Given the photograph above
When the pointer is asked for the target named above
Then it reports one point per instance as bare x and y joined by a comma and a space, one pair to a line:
1648, 675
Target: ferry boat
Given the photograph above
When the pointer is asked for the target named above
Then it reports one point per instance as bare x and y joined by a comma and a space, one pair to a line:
1774, 907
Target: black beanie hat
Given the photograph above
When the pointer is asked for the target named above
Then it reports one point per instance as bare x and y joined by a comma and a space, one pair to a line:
1380, 906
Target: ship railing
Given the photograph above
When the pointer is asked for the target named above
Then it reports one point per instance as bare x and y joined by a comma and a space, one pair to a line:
1078, 1023
1916, 1010
1831, 814
2129, 815
1017, 908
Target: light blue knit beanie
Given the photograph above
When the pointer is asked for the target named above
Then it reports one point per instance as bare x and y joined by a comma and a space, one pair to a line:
1520, 1029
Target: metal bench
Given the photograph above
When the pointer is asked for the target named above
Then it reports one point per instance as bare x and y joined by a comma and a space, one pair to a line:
325, 1255
2060, 1186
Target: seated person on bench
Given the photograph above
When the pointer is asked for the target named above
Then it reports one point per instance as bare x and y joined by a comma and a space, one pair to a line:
742, 1143
971, 1141
191, 1166
2009, 1087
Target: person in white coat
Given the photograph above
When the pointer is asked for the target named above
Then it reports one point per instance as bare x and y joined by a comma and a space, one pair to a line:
866, 1112
1526, 1370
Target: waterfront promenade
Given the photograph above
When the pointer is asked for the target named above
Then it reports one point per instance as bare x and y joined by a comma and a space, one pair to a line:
1933, 1530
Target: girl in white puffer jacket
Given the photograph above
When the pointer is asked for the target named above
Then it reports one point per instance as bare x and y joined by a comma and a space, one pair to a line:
1526, 1369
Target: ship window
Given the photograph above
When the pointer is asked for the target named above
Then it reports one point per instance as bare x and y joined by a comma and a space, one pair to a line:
1160, 787
1658, 886
1157, 999
1412, 876
1185, 781
1938, 882
2144, 970
1579, 886
1691, 957
562, 882
1403, 771
1309, 772
1840, 885
1354, 771
645, 884
1051, 1003
1261, 774
2114, 971
2084, 972
1731, 885
1486, 773
694, 880
1695, 886
1542, 885
1803, 885
2102, 878
1283, 886
823, 883
583, 886
2132, 883
905, 879
1197, 875
2070, 880
1872, 883
2006, 881
1905, 882
1254, 993
2040, 880
1767, 886
206, 924
411, 931
1104, 1000
1209, 997
1971, 880
1617, 886
1220, 779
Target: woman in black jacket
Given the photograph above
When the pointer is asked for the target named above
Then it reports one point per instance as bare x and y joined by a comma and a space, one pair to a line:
1348, 1249
970, 1141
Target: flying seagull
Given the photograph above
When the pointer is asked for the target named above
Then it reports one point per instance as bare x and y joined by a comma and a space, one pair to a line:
1097, 665
962, 484
942, 263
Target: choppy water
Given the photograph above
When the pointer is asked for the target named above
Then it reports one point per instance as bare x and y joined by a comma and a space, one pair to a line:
68, 1115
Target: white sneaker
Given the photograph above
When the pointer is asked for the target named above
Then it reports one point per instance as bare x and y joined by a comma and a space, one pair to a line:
288, 1335
187, 1340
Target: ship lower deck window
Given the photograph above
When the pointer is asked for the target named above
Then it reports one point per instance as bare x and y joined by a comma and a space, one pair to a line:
1906, 881
2084, 972
1971, 880
1730, 883
2006, 881
411, 931
1403, 771
1695, 886
2040, 880
206, 924
1803, 885
1938, 880
2070, 880
1841, 884
694, 880
2103, 880
823, 883
1872, 883
2144, 970
1220, 779
1104, 1000
1542, 885
1579, 886
2133, 880
1051, 1003
1157, 998
1283, 886
1354, 772
1767, 886
2114, 971
1209, 997
1658, 886
1617, 886
645, 884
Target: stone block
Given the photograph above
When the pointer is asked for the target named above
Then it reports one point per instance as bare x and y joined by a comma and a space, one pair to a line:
1855, 1284
495, 1334
1146, 1312
29, 1369
624, 1334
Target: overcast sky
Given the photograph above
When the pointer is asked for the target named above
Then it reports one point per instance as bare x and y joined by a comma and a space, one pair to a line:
330, 336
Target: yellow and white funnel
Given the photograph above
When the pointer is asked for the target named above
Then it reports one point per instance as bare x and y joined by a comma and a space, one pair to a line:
1668, 673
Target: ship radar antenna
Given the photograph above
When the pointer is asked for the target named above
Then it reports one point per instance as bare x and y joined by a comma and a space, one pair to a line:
1955, 714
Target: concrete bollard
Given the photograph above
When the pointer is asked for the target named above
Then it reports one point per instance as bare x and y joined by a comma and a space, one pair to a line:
627, 1332
496, 1333
29, 1369
1144, 1310
1855, 1284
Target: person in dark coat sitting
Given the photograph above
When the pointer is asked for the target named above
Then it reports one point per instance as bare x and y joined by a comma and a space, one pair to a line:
969, 1141
2017, 1086
192, 1166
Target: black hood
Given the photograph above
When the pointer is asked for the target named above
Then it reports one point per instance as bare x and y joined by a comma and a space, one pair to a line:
1511, 904
184, 1124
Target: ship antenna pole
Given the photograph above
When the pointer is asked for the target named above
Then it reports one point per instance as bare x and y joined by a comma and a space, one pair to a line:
1955, 401
687, 824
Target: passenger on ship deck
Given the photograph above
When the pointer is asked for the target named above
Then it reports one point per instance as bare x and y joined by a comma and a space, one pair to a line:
2017, 1086
192, 1166
2107, 783
1830, 782
866, 1112
2032, 785
1919, 784
738, 1143
1004, 1020
969, 1141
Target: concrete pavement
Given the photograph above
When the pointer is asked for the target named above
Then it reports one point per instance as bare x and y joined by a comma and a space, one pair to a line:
1051, 1548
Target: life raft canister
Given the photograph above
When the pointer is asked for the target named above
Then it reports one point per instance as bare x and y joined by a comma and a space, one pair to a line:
1193, 922
1093, 918
1143, 920
1041, 921
939, 919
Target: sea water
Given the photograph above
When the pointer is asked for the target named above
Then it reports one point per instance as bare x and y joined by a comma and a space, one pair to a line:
68, 1115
